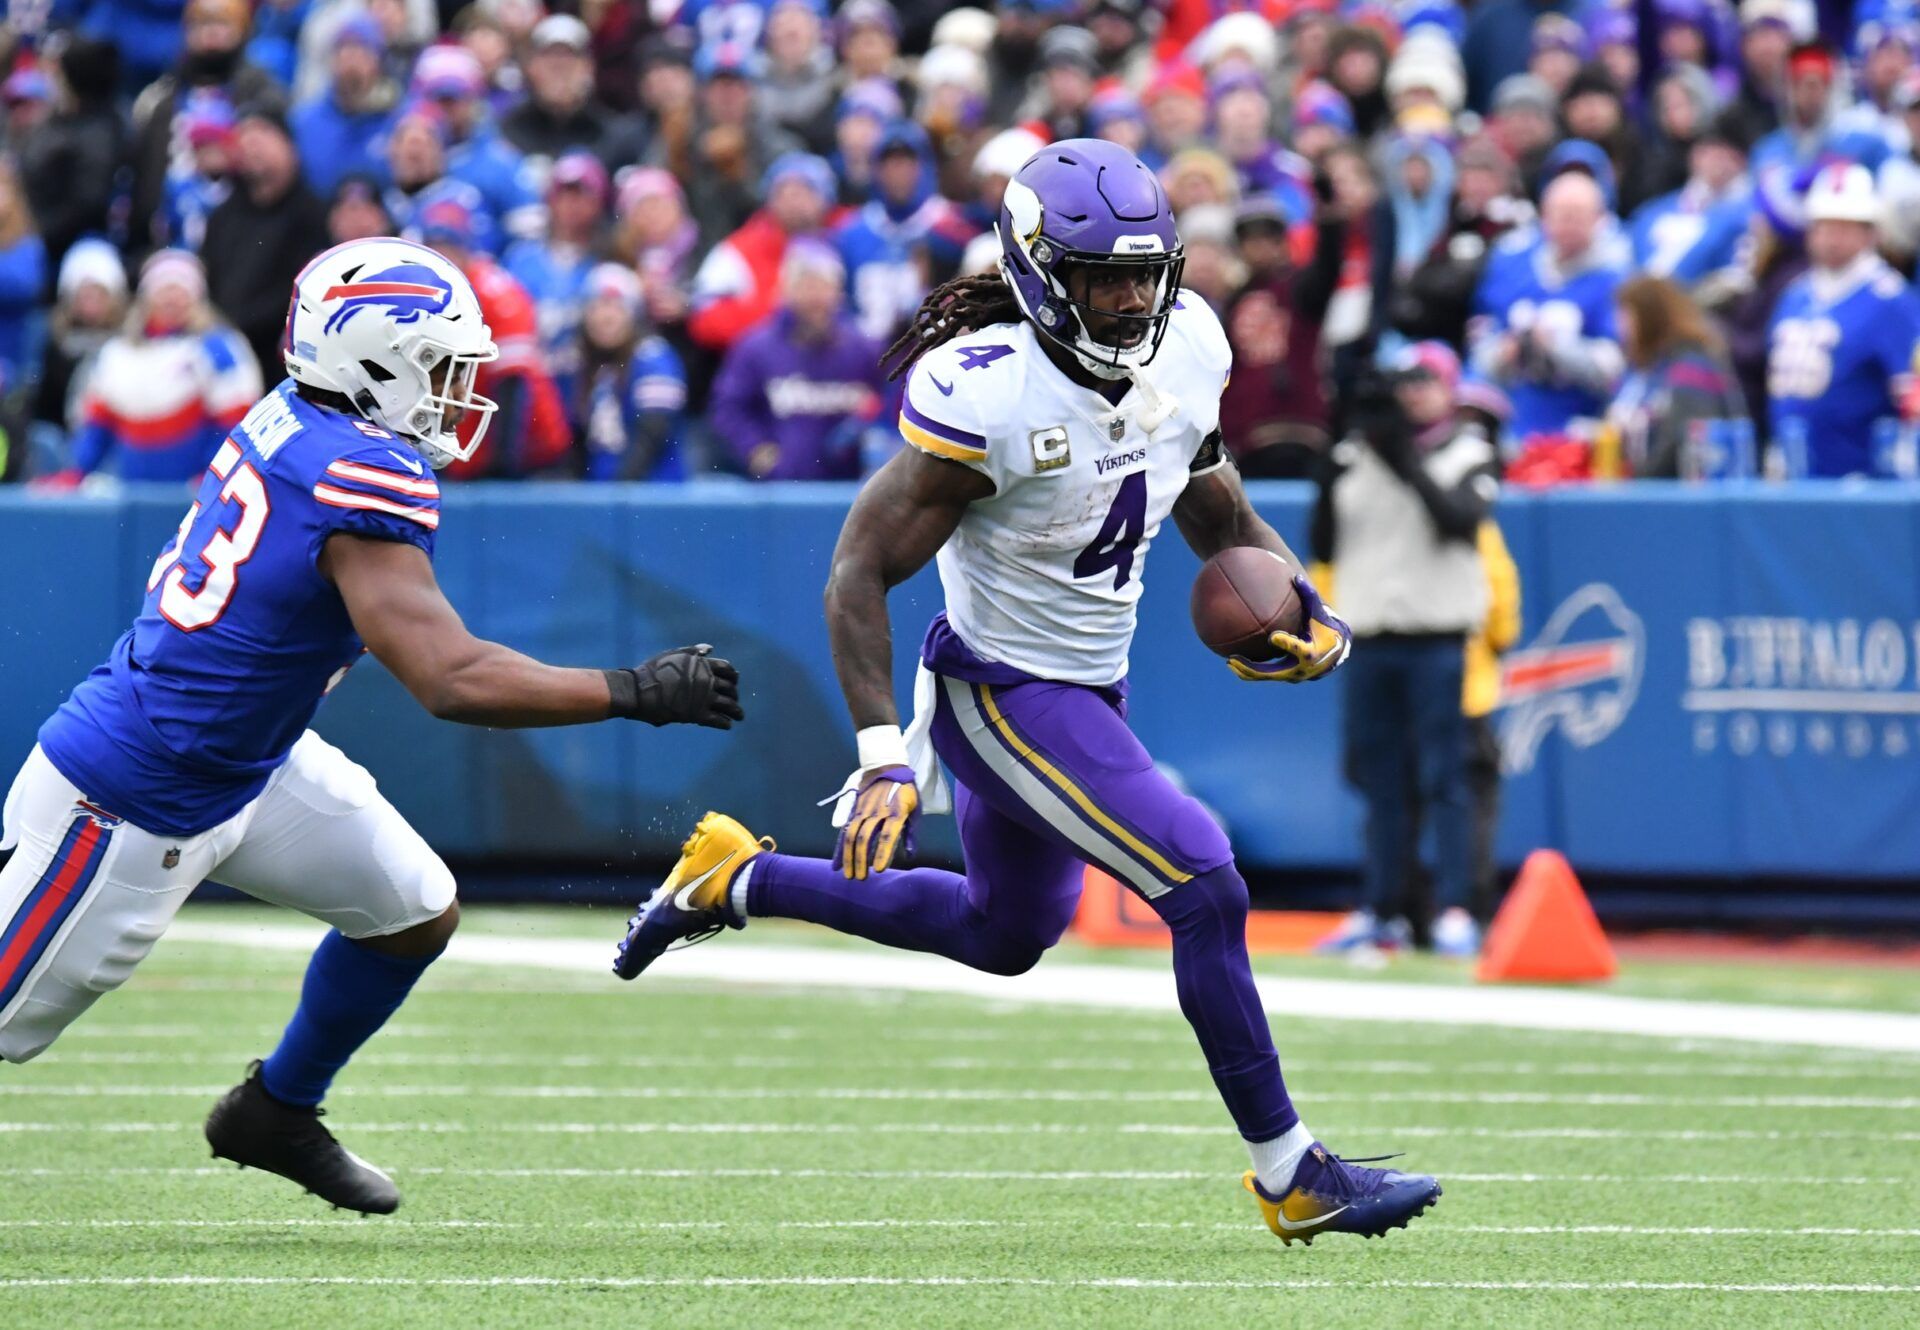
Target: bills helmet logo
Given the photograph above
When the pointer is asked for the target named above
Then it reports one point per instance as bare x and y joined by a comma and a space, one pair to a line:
409, 291
1580, 675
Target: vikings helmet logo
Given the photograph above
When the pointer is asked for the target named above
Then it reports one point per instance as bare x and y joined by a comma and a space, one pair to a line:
410, 290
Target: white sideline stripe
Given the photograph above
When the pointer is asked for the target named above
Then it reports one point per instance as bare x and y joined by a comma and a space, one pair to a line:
966, 1096
1122, 987
993, 1129
935, 1281
1294, 1067
982, 1175
1432, 1229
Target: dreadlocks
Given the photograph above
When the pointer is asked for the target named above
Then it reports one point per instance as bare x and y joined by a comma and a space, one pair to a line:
953, 309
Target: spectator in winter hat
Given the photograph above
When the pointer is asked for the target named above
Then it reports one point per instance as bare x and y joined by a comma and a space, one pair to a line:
1419, 174
999, 158
1433, 301
732, 143
868, 37
1196, 176
416, 157
904, 241
952, 86
1426, 70
1809, 132
1242, 131
1320, 120
1885, 56
630, 390
1768, 32
1613, 43
561, 110
28, 97
264, 233
1244, 39
1842, 338
865, 110
1274, 413
668, 90
655, 237
967, 27
1117, 116
1176, 106
797, 84
200, 184
1069, 63
1213, 262
1525, 125
1555, 51
738, 282
452, 81
797, 392
162, 394
355, 210
339, 131
90, 305
1594, 114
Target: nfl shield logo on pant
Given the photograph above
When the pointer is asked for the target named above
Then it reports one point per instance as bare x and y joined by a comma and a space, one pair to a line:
171, 859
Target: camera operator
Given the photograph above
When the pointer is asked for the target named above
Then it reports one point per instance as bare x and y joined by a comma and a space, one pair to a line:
1401, 501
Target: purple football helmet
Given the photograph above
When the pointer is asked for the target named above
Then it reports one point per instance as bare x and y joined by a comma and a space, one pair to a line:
1089, 202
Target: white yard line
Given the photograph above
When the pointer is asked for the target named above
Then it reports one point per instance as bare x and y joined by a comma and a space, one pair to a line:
1208, 1130
1430, 1229
29, 1089
917, 1175
545, 1282
1688, 1070
1125, 988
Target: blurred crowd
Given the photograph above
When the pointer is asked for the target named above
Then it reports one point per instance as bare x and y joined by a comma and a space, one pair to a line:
1664, 238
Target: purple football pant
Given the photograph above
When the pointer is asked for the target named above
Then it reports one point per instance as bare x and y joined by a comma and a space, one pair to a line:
1049, 778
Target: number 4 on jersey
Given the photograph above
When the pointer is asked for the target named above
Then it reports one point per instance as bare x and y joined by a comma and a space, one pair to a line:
222, 552
1126, 523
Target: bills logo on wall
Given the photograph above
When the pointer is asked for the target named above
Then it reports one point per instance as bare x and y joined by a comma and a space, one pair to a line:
1579, 676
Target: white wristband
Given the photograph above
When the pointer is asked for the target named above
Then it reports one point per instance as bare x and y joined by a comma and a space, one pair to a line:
881, 746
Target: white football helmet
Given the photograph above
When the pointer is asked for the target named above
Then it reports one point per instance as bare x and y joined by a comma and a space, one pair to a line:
377, 321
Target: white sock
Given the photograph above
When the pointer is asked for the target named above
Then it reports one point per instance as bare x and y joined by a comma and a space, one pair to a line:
737, 893
1274, 1161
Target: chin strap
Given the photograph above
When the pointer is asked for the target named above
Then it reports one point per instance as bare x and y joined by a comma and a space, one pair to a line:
1155, 407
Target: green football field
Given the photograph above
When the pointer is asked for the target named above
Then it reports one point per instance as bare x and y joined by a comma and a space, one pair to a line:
577, 1152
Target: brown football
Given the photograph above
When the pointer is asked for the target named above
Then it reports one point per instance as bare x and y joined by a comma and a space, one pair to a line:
1242, 595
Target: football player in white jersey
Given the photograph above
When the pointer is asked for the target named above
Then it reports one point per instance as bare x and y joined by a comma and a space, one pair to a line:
1058, 411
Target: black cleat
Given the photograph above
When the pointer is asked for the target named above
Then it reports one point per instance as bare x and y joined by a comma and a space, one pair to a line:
255, 1130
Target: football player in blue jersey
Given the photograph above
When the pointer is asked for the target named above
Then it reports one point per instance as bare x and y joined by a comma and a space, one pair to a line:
187, 756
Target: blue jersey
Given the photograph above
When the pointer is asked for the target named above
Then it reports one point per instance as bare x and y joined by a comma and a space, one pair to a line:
1681, 236
240, 636
652, 393
890, 261
1524, 291
1836, 355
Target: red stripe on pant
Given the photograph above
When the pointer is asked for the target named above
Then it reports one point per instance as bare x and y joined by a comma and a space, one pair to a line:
48, 906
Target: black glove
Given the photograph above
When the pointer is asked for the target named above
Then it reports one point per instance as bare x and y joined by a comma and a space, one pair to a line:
684, 686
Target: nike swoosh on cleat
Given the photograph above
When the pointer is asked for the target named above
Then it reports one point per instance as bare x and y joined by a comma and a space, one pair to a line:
946, 388
683, 898
1317, 1220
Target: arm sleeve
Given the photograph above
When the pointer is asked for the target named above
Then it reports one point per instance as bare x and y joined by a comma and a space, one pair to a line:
374, 491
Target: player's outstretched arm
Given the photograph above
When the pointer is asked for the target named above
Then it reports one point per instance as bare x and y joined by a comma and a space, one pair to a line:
901, 518
401, 614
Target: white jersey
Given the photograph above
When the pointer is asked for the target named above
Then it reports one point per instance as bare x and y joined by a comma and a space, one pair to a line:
1044, 576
